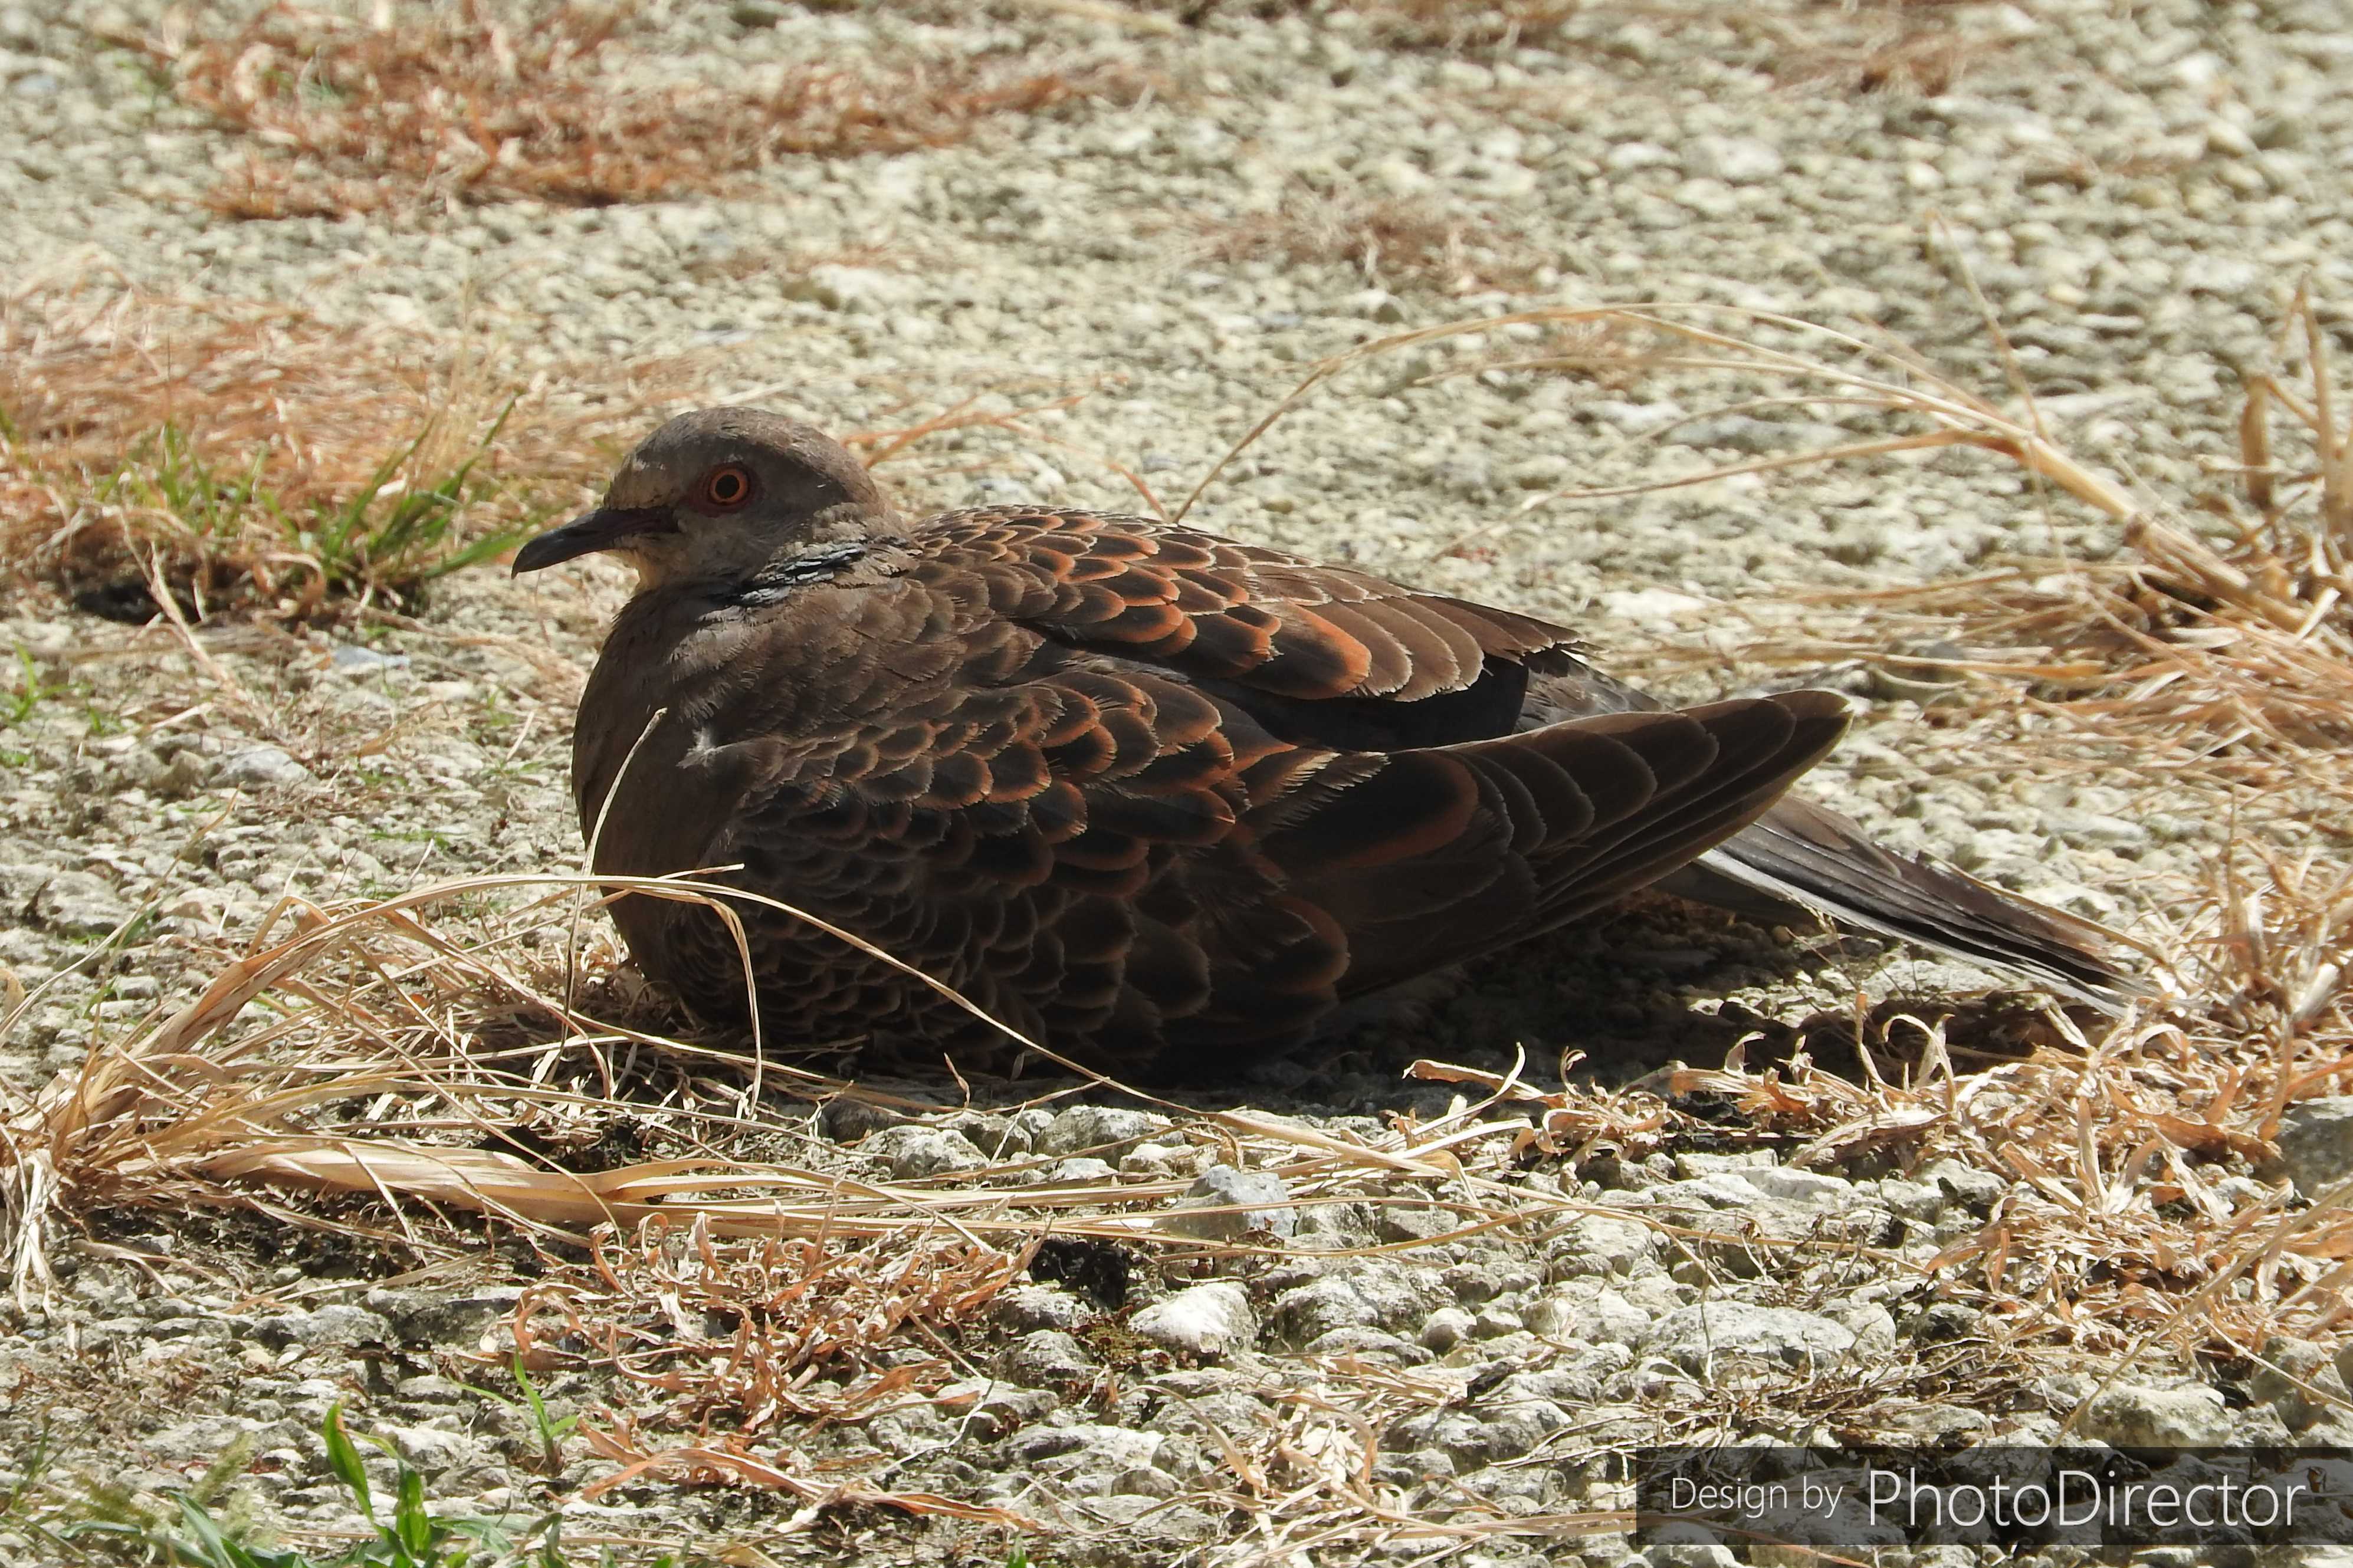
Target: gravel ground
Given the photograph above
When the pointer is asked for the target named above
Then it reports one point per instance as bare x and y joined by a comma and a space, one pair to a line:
2132, 190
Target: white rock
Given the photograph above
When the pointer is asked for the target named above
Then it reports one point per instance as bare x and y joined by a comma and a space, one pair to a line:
260, 767
1627, 157
855, 289
1688, 1554
429, 1448
1600, 1242
1734, 160
1229, 1188
1800, 1186
2315, 1140
1660, 607
1696, 1337
1446, 1328
1095, 1128
1638, 418
1602, 1316
913, 1149
78, 902
1209, 1320
2135, 1416
2011, 22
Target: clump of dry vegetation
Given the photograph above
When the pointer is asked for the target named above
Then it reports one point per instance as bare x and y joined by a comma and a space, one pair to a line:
424, 1057
1441, 24
728, 1338
1865, 45
1389, 240
453, 104
256, 458
1413, 24
1895, 45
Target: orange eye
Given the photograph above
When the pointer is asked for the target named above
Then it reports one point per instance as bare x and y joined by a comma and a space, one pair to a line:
726, 488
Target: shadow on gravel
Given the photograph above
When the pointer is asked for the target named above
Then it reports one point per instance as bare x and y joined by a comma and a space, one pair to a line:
1658, 984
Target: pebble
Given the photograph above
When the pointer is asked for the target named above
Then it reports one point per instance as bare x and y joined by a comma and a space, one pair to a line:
1255, 1196
1706, 1337
258, 767
2133, 1415
1734, 160
1047, 1358
352, 658
73, 902
1207, 1320
326, 1326
1445, 1329
913, 1150
1097, 1131
1359, 1295
2315, 1143
1027, 1306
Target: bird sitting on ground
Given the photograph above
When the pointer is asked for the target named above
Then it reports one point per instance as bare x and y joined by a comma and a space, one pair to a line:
1160, 800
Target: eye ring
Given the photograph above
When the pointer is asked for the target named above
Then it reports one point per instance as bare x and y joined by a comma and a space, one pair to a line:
727, 487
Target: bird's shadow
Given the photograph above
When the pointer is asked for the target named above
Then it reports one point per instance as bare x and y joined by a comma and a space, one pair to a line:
1657, 982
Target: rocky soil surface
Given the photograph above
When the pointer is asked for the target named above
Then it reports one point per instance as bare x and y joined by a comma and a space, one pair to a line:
2132, 190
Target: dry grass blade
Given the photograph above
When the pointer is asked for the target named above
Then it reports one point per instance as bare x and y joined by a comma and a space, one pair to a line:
416, 1052
209, 1098
727, 1336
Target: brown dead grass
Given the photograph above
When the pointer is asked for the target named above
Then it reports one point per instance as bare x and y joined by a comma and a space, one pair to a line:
726, 1338
1390, 241
1919, 47
223, 447
451, 104
1923, 47
1444, 25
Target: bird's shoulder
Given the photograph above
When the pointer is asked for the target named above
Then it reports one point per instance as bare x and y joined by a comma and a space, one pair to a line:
1215, 608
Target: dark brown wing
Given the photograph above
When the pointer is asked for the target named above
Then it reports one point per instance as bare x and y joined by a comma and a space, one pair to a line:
1330, 656
1801, 863
1323, 654
1437, 855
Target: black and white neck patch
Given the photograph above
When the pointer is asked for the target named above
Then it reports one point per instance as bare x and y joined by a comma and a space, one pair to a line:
777, 578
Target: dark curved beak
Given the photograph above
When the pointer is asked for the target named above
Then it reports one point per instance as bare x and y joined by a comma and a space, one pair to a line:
592, 531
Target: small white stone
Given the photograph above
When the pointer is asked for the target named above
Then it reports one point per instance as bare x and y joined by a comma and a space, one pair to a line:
2136, 1416
2227, 140
260, 767
1660, 608
1734, 160
1627, 157
1212, 1320
1445, 1329
2013, 23
2316, 1142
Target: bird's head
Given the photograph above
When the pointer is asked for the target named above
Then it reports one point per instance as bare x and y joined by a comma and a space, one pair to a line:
715, 495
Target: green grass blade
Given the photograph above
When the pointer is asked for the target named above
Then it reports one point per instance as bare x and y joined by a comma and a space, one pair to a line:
344, 1460
411, 1523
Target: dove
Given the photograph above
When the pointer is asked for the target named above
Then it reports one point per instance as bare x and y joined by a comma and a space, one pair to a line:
1159, 801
